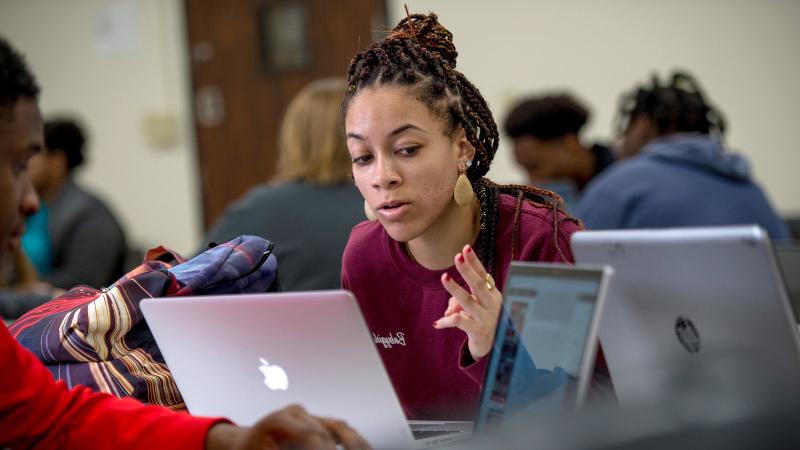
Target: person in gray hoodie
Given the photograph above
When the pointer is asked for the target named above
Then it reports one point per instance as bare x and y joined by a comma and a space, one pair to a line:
676, 171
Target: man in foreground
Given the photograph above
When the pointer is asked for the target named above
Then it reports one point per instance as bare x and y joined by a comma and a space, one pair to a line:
35, 411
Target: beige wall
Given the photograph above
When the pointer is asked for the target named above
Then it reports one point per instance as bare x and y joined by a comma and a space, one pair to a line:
745, 53
114, 87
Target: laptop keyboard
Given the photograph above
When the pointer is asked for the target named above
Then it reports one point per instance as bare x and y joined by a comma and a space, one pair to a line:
422, 434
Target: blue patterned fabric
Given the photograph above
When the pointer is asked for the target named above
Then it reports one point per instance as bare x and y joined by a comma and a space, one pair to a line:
99, 338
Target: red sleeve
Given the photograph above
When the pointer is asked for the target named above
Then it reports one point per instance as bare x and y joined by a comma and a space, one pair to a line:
476, 370
36, 412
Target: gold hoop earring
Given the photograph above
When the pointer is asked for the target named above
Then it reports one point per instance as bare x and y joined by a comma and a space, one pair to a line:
463, 192
369, 212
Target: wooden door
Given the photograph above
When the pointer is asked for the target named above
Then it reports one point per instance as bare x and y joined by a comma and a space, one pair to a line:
248, 59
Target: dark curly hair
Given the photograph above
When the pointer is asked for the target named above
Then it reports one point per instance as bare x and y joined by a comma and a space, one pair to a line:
66, 135
419, 55
675, 106
16, 79
546, 117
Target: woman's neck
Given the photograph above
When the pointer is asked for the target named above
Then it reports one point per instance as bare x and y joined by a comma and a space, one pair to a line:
585, 166
458, 226
49, 191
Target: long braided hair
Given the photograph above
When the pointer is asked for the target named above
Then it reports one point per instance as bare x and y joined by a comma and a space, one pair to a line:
675, 106
419, 55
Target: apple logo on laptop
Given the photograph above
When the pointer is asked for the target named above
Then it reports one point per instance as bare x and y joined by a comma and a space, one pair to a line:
687, 334
274, 376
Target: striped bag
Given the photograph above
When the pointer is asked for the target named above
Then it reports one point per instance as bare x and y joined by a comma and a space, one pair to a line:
99, 339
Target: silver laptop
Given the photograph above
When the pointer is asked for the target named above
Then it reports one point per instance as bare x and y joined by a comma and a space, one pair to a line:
789, 259
244, 356
545, 344
694, 310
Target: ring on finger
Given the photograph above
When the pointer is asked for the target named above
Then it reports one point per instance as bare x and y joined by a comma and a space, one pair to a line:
489, 281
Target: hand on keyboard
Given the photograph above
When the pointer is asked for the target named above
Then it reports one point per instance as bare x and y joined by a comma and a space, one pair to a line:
289, 427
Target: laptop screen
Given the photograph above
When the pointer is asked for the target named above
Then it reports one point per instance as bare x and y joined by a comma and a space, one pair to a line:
789, 259
541, 340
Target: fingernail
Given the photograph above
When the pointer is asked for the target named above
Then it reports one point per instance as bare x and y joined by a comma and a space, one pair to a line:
460, 257
434, 323
469, 249
446, 276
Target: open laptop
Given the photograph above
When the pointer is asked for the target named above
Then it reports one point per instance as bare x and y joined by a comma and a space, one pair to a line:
789, 259
545, 343
244, 356
694, 310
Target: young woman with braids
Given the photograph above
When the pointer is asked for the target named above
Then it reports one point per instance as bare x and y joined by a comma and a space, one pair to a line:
677, 171
428, 268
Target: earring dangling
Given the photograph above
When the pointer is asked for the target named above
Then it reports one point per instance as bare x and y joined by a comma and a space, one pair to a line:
369, 212
463, 192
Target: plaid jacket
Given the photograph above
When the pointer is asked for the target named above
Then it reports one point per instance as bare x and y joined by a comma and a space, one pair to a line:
99, 339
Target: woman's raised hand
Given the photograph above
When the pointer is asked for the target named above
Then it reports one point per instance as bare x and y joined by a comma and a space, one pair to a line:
474, 312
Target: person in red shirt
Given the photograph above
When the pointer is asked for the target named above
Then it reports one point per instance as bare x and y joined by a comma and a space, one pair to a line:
36, 411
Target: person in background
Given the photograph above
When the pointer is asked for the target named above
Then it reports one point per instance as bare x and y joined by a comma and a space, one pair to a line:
74, 238
428, 268
310, 206
20, 287
546, 133
35, 411
677, 172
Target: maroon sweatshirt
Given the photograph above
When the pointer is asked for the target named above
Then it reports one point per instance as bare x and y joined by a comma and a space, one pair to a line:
400, 300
